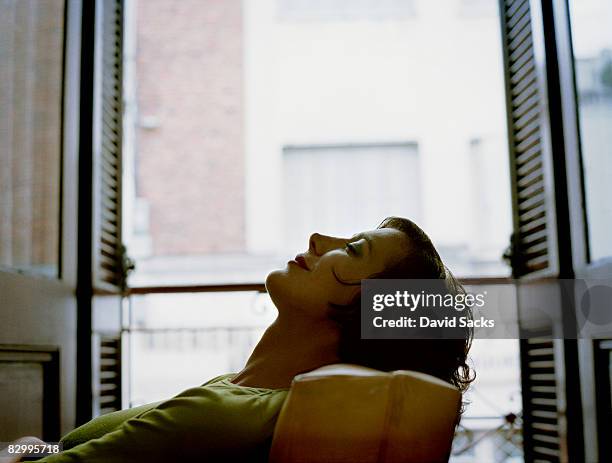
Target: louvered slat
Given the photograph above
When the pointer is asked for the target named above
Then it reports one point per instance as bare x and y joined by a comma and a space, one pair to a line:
530, 166
519, 26
110, 374
532, 153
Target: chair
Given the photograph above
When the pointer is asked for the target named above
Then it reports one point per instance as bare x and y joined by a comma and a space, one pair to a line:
346, 413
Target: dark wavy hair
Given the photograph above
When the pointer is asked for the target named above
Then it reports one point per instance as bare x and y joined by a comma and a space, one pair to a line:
443, 358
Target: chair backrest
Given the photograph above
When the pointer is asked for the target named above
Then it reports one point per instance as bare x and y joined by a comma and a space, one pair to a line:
347, 413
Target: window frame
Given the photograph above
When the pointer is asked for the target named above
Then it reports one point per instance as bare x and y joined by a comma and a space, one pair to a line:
583, 266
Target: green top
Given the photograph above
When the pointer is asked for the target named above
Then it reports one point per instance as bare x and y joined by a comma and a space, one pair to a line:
216, 421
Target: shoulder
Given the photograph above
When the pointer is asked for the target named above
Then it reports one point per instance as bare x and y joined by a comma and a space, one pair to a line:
221, 404
216, 379
217, 417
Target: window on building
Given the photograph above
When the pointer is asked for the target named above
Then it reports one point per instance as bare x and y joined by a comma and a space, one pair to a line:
343, 188
345, 10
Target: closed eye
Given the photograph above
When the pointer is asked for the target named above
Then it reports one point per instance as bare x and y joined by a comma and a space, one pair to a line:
350, 249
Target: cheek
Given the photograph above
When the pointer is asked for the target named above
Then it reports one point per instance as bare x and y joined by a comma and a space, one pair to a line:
338, 293
351, 271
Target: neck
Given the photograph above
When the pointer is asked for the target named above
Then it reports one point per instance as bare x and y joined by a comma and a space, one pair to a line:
287, 348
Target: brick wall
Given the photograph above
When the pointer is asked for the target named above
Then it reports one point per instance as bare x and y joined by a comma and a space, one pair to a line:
190, 154
31, 49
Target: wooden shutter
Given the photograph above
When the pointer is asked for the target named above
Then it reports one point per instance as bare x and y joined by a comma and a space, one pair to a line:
534, 248
109, 271
534, 240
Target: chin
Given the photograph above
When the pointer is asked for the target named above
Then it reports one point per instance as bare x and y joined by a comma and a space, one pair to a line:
281, 288
273, 280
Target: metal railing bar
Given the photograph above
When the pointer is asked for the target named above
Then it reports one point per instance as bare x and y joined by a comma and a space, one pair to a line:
491, 417
194, 330
261, 288
230, 287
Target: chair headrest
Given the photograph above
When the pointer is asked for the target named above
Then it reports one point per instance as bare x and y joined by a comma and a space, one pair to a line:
349, 413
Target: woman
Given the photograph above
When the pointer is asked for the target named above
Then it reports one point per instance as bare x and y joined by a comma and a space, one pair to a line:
317, 296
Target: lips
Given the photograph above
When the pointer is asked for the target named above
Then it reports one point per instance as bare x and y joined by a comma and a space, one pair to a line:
301, 261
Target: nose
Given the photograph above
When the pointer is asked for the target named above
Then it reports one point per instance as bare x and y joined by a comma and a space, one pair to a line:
320, 244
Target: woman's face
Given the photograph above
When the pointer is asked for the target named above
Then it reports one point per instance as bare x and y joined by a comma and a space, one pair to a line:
332, 269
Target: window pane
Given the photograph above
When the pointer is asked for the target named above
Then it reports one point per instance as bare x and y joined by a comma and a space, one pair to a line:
592, 42
484, 433
344, 10
31, 53
207, 334
365, 182
247, 130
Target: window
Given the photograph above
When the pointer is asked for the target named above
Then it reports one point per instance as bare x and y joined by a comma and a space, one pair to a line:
345, 10
253, 124
478, 8
592, 46
343, 188
31, 53
208, 334
217, 113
